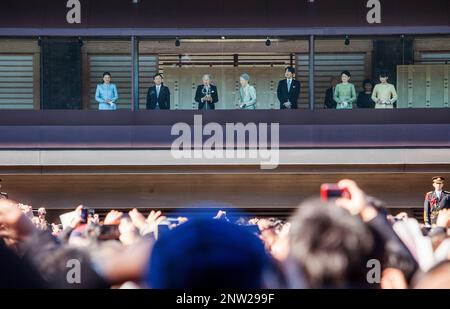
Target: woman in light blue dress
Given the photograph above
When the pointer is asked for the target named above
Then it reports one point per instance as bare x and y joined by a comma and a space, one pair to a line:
247, 93
106, 94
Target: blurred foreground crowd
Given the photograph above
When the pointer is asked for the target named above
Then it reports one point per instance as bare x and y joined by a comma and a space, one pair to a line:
347, 242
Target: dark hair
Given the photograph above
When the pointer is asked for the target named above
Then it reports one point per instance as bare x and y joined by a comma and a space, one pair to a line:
330, 246
367, 81
290, 69
346, 73
103, 76
156, 75
384, 74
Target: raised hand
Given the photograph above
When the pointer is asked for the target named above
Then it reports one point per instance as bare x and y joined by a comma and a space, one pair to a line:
443, 219
137, 218
113, 217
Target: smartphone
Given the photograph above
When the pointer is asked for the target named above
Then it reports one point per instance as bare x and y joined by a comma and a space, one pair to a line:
332, 191
109, 232
84, 215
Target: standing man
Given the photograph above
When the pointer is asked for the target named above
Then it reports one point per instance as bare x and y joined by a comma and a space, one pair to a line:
329, 102
288, 90
158, 96
3, 195
435, 201
206, 95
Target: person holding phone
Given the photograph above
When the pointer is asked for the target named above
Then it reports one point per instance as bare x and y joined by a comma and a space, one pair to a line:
106, 94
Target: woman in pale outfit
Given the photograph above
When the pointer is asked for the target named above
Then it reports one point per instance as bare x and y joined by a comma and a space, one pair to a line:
384, 94
345, 93
106, 94
247, 93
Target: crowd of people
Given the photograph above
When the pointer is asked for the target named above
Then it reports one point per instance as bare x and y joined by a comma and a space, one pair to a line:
346, 242
341, 95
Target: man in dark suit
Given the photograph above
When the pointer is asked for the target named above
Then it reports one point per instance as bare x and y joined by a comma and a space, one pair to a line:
329, 102
435, 201
206, 95
158, 96
288, 90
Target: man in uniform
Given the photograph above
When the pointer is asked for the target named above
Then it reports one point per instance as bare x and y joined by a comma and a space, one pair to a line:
3, 195
435, 201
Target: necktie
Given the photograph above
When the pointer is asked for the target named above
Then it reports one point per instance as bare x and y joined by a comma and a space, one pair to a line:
157, 91
289, 84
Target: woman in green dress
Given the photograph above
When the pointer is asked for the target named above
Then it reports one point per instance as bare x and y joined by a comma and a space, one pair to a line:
345, 93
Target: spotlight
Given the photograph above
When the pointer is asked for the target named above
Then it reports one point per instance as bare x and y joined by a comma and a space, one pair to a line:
222, 37
177, 42
347, 40
268, 42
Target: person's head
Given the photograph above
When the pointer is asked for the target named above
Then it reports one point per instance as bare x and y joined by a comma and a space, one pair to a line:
384, 77
289, 72
206, 79
334, 81
438, 183
330, 246
244, 79
368, 85
345, 76
158, 79
206, 253
106, 77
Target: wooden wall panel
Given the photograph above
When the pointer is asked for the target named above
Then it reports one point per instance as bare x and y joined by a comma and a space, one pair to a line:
257, 191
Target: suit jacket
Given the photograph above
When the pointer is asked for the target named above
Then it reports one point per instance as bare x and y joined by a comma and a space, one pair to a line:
199, 95
329, 102
292, 95
432, 205
163, 100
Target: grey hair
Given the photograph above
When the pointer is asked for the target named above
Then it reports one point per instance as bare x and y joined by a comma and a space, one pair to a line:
245, 76
206, 76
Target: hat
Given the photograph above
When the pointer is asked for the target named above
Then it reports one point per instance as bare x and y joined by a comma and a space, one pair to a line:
438, 179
